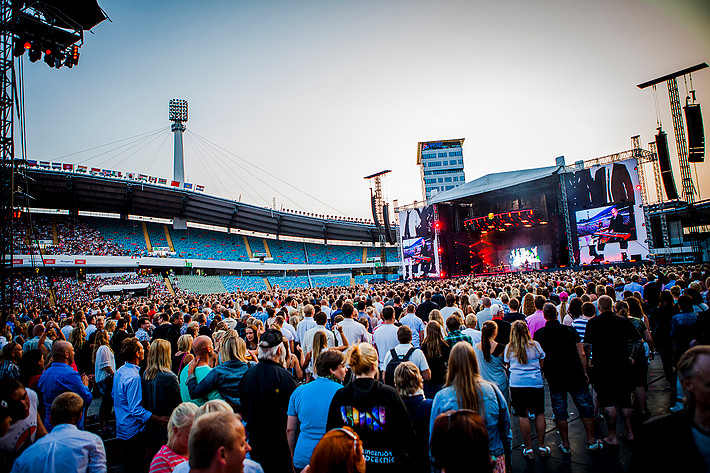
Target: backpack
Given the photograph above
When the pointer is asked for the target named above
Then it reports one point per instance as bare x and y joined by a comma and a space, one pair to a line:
394, 363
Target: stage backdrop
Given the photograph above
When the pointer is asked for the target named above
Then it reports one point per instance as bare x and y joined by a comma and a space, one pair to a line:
605, 213
418, 243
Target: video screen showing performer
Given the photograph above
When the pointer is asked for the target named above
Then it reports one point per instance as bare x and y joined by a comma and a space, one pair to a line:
613, 225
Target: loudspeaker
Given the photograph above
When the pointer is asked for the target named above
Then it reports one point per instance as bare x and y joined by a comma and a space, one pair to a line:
373, 204
636, 258
696, 134
386, 218
664, 162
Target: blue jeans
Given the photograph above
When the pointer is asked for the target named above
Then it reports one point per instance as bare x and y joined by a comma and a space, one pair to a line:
581, 398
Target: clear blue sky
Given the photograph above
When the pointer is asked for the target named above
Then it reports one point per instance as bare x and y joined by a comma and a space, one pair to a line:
322, 93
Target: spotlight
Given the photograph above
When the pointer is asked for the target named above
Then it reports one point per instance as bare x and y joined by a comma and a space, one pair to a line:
35, 53
638, 187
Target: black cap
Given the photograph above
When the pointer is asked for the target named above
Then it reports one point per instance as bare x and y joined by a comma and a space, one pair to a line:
270, 338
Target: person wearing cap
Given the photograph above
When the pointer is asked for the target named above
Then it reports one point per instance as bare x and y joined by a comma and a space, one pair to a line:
265, 391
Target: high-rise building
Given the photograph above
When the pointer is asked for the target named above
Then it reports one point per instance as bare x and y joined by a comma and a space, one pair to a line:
441, 165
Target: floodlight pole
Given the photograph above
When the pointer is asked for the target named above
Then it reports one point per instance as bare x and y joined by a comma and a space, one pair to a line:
378, 212
178, 115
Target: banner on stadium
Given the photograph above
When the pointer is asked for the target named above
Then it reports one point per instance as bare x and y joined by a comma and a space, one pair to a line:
420, 258
607, 222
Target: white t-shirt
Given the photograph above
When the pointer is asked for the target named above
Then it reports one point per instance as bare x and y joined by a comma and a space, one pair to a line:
22, 433
447, 312
417, 357
528, 375
354, 331
474, 334
307, 342
385, 338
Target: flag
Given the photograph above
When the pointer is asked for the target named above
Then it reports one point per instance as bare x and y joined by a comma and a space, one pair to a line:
142, 177
162, 181
95, 170
187, 186
130, 175
31, 163
106, 172
81, 168
117, 173
175, 183
199, 188
152, 179
56, 165
44, 164
68, 167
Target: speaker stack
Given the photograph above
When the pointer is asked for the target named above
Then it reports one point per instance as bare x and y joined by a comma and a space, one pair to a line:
696, 134
664, 162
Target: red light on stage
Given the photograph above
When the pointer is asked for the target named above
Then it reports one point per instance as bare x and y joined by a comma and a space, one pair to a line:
437, 225
638, 187
442, 274
27, 45
441, 250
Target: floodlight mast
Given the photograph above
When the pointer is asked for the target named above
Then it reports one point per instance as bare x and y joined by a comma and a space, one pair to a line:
378, 214
178, 115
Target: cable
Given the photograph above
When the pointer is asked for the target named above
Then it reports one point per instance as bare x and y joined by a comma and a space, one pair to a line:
133, 145
155, 155
106, 144
198, 153
269, 174
655, 103
133, 153
256, 177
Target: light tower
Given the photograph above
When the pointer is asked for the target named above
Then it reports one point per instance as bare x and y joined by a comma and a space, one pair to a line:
178, 115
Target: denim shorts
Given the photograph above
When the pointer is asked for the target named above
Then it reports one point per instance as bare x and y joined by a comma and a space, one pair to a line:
581, 398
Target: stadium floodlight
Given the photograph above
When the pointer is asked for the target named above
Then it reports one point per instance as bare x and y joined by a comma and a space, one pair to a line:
178, 110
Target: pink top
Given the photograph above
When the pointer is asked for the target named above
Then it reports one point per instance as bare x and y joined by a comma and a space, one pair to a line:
165, 461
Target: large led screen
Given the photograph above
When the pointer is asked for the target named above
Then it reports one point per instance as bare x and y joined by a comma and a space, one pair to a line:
607, 221
419, 258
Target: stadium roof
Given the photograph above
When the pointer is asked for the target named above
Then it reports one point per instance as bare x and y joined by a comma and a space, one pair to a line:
76, 191
493, 182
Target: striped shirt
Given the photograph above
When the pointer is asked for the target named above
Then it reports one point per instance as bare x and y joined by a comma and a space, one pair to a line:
580, 325
165, 461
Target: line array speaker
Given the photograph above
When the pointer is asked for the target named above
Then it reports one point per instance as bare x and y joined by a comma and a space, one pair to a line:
664, 162
696, 134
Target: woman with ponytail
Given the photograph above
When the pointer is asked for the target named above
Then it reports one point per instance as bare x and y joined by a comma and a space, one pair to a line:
490, 358
375, 412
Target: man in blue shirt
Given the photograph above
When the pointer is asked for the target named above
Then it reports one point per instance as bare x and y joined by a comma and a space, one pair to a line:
131, 416
59, 378
634, 285
66, 448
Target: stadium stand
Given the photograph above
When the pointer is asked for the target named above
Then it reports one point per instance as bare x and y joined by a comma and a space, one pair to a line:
127, 234
333, 280
289, 282
322, 254
200, 284
286, 252
256, 245
156, 232
243, 283
205, 244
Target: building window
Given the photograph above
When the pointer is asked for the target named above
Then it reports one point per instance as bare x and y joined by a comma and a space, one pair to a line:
460, 161
429, 156
445, 163
442, 155
456, 179
447, 179
454, 153
441, 180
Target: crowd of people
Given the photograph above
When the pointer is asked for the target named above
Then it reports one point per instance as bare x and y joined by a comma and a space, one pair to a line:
74, 237
405, 376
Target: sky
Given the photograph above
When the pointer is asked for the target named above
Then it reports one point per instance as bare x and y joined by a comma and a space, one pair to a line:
298, 101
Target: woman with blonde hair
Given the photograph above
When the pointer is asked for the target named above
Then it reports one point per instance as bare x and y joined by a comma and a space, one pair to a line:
435, 315
161, 390
104, 369
465, 389
182, 356
225, 377
388, 436
83, 352
524, 358
176, 450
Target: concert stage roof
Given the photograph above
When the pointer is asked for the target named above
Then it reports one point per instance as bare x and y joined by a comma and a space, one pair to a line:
493, 182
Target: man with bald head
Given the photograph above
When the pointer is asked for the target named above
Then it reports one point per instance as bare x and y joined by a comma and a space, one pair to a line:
59, 378
199, 367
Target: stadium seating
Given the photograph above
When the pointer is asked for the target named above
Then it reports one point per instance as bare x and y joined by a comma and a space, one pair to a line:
243, 283
322, 254
256, 245
200, 284
125, 233
156, 233
204, 244
286, 252
327, 281
289, 282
